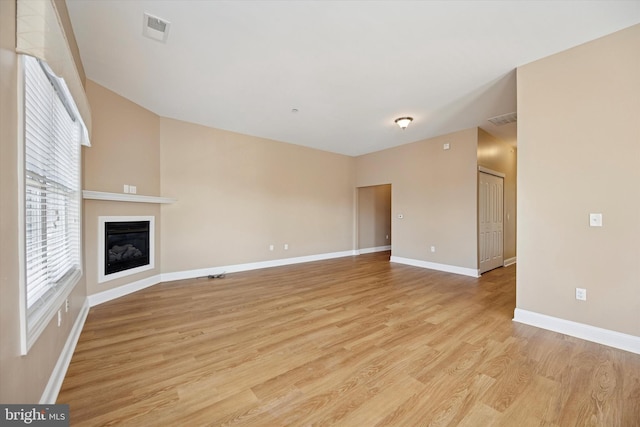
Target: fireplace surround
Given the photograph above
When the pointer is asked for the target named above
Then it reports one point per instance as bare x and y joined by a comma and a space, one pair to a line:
125, 246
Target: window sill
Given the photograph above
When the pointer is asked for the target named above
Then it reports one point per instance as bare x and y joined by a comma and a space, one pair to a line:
39, 318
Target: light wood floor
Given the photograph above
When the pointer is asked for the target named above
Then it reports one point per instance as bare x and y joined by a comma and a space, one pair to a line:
355, 341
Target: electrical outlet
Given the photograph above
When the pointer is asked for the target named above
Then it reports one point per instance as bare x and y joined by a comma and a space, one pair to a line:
581, 294
66, 306
387, 237
59, 318
126, 188
270, 247
133, 189
286, 246
595, 220
446, 146
433, 248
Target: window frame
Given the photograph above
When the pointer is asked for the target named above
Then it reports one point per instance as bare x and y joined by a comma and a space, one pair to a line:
34, 320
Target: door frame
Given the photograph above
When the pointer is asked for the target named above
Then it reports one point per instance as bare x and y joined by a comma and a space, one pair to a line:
357, 222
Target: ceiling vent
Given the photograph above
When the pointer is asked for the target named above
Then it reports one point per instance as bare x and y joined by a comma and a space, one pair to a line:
155, 28
504, 119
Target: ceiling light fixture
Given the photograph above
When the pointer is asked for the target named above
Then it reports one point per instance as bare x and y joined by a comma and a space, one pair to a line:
403, 122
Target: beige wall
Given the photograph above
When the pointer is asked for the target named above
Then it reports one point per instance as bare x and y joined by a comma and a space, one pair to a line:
239, 194
22, 378
499, 156
374, 216
125, 149
579, 152
436, 191
125, 145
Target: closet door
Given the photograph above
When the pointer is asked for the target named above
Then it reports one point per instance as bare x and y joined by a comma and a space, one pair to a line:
490, 221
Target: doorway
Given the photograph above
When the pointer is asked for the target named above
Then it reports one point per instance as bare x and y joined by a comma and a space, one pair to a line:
374, 218
490, 220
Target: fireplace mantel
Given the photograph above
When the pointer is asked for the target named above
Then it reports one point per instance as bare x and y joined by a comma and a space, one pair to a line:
123, 197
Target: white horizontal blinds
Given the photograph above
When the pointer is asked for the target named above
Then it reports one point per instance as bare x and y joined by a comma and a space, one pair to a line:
52, 186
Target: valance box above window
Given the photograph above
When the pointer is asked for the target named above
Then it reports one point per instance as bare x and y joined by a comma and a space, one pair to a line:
39, 33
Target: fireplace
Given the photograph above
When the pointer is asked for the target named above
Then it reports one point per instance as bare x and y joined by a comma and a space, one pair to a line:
126, 246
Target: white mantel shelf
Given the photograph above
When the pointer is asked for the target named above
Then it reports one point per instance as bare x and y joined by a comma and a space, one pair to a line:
123, 197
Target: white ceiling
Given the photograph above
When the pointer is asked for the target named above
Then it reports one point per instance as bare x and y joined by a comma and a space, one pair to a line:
349, 67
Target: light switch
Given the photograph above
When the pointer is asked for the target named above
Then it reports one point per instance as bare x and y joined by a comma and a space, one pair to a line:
595, 220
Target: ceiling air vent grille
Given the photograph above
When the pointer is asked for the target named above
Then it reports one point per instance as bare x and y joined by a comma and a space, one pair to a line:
155, 28
504, 119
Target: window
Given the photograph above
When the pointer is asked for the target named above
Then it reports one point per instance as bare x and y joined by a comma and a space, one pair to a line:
53, 132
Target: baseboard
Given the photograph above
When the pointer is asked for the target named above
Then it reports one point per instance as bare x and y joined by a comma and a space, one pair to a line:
50, 394
374, 249
121, 291
435, 266
509, 261
202, 272
606, 337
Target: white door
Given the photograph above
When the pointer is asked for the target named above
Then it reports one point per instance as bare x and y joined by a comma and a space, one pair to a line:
490, 221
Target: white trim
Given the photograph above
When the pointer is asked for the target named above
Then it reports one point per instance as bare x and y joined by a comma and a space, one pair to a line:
111, 294
509, 261
118, 197
22, 252
579, 330
491, 172
50, 393
202, 272
152, 245
435, 266
374, 249
44, 317
130, 288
